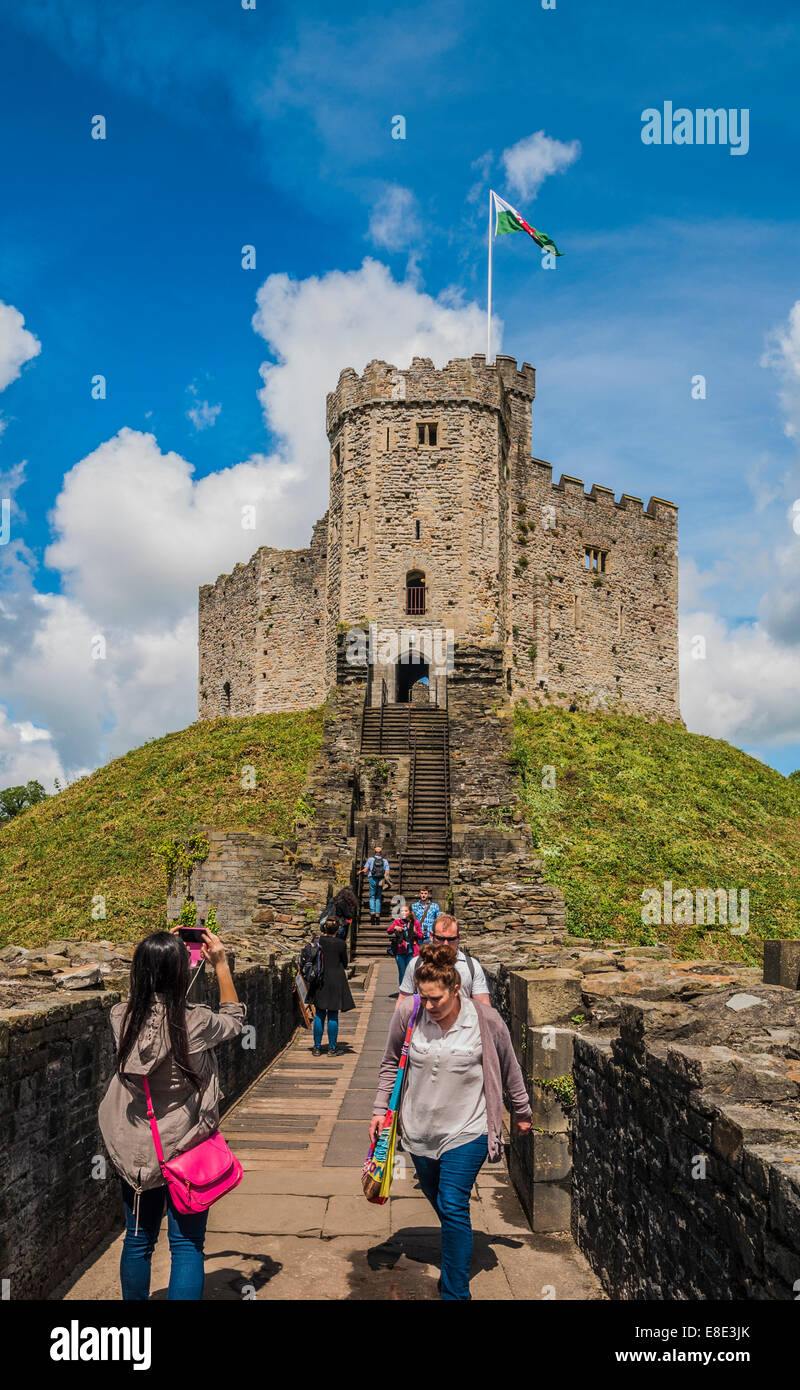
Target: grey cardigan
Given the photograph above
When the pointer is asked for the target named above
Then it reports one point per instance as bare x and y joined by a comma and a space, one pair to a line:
501, 1070
184, 1117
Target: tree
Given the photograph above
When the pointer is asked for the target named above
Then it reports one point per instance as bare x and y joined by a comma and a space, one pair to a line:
16, 799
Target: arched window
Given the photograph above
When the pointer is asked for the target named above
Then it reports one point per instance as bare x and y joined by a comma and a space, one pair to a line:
415, 592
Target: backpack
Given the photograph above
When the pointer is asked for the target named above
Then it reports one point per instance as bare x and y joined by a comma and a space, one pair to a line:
327, 913
312, 965
378, 872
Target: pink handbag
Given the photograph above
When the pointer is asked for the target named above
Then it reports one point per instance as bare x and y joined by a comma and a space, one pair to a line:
200, 1176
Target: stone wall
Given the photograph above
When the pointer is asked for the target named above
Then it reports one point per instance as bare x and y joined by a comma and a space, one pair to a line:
262, 633
56, 1058
603, 638
227, 613
666, 1115
686, 1151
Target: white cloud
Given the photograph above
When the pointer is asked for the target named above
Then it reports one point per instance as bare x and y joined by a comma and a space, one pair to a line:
17, 344
745, 689
394, 223
783, 355
528, 163
135, 532
203, 415
315, 327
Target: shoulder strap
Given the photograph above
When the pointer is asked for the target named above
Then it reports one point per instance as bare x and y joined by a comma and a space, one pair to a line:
151, 1115
401, 1070
471, 965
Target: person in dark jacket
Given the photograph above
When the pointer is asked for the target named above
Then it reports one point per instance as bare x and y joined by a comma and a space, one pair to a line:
333, 996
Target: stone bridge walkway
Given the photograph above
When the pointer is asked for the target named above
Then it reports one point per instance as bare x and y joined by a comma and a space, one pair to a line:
298, 1227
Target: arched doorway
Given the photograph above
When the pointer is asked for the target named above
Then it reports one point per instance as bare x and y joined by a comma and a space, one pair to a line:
410, 668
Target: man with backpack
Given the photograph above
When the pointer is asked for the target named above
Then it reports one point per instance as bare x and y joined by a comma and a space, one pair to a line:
378, 869
474, 984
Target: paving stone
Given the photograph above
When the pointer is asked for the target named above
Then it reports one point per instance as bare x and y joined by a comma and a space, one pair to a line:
355, 1216
270, 1215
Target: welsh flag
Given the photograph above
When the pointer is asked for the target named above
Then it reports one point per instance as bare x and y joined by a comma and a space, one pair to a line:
507, 219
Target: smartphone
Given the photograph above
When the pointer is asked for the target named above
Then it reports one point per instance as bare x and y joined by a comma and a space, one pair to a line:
193, 936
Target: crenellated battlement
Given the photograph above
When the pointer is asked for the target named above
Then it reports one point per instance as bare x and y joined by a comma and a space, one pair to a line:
657, 508
466, 380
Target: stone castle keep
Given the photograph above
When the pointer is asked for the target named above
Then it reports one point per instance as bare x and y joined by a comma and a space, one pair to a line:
440, 519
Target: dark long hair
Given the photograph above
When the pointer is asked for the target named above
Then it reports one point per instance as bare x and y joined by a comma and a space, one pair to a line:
160, 966
346, 904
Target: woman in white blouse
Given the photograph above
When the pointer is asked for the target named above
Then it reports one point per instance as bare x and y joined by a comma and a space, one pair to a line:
459, 1063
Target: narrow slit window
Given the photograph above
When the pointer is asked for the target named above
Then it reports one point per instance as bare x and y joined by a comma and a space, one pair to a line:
416, 528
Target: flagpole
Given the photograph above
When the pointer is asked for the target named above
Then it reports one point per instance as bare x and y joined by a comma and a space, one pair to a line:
489, 291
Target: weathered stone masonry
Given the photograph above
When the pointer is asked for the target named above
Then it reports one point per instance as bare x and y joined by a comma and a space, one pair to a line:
501, 550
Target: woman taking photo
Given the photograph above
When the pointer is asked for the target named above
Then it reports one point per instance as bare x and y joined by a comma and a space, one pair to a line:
405, 934
451, 1118
333, 995
171, 1042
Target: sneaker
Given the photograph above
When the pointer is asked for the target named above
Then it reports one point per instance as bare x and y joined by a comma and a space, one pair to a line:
316, 1052
334, 1052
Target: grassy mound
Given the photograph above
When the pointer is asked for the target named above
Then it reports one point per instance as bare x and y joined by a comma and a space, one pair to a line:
636, 804
100, 834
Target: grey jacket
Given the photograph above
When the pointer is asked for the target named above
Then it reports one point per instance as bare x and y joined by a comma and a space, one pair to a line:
184, 1117
501, 1070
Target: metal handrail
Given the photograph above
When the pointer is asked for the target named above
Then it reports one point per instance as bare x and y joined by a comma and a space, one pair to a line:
380, 725
367, 700
356, 886
447, 821
411, 779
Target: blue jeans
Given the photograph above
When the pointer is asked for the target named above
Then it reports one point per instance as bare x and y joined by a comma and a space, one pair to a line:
186, 1234
375, 891
402, 965
447, 1183
332, 1016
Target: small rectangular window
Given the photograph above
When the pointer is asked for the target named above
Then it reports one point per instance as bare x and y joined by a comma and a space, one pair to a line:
417, 530
594, 560
427, 433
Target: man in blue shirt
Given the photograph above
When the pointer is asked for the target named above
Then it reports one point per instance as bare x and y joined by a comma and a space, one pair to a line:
377, 866
426, 911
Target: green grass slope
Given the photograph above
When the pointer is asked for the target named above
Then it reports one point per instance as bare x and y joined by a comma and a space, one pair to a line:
636, 804
100, 834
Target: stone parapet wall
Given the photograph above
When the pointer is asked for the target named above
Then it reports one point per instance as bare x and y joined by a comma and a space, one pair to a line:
686, 1158
59, 1194
466, 379
666, 1114
506, 893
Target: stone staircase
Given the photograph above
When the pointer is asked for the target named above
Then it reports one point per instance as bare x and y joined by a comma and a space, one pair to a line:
419, 732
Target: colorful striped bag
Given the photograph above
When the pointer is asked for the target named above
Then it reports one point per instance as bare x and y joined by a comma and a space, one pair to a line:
376, 1175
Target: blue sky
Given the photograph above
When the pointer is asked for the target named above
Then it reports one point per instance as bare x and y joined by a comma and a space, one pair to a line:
272, 127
